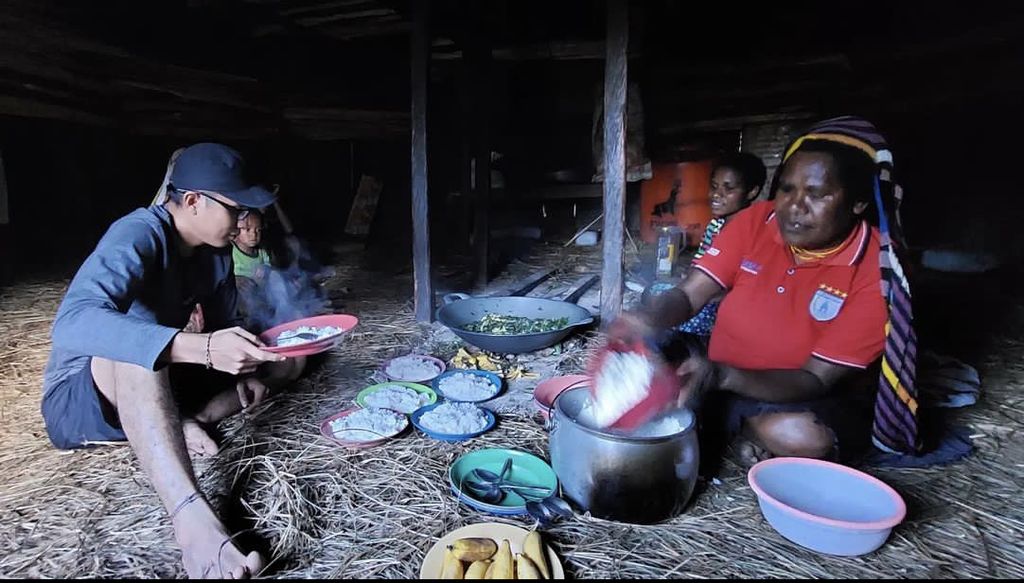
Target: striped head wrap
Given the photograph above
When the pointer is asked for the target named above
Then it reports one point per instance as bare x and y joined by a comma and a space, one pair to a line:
895, 426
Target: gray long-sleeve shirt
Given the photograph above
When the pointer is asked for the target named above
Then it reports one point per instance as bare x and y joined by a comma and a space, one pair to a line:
135, 292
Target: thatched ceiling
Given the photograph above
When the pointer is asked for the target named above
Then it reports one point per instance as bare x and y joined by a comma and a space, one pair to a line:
326, 69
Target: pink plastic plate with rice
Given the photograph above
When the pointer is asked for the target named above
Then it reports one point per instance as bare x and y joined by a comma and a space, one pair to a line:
344, 322
328, 432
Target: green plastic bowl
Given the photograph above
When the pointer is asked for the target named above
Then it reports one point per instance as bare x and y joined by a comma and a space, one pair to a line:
423, 389
526, 469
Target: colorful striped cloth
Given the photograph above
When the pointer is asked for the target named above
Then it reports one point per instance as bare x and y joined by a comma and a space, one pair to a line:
895, 427
713, 229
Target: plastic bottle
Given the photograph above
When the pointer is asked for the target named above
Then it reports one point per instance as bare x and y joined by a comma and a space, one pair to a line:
668, 249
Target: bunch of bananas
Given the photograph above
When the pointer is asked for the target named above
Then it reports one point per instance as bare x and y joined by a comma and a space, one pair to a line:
481, 361
488, 560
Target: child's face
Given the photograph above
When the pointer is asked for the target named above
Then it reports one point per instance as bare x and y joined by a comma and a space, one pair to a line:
728, 193
250, 231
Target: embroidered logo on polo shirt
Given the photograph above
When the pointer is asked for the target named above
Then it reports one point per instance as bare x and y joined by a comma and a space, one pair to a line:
713, 251
750, 267
826, 303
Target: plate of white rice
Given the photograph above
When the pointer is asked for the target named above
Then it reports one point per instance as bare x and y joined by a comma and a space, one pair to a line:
363, 427
453, 421
467, 385
413, 368
398, 396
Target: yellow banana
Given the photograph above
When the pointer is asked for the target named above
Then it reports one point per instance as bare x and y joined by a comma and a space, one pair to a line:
503, 567
478, 570
525, 569
490, 571
452, 567
533, 548
474, 549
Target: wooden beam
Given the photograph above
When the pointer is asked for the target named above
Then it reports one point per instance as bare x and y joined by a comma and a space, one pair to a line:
733, 123
562, 191
324, 7
547, 51
375, 16
420, 53
580, 287
25, 107
347, 114
353, 32
614, 159
523, 287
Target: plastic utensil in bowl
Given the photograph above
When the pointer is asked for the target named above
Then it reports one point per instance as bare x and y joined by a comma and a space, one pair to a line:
361, 398
329, 433
493, 379
824, 506
526, 469
439, 365
343, 321
418, 415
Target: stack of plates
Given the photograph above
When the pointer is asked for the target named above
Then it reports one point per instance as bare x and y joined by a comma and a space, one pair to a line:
547, 391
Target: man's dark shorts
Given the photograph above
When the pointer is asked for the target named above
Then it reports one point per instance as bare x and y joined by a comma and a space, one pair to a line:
77, 414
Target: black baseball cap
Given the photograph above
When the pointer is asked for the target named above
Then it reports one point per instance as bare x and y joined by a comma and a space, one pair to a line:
218, 168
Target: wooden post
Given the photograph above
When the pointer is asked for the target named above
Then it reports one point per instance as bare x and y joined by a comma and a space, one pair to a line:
478, 68
614, 159
4, 214
420, 54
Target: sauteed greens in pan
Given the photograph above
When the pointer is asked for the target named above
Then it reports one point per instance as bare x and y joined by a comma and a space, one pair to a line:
512, 325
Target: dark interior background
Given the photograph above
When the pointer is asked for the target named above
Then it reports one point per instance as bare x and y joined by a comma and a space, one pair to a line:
95, 96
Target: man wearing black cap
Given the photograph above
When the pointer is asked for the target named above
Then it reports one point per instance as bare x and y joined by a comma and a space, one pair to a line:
158, 290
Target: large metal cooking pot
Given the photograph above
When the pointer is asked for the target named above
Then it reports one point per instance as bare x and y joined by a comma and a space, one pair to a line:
463, 310
639, 480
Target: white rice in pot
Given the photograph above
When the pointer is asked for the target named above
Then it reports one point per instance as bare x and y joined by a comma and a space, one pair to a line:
622, 383
668, 424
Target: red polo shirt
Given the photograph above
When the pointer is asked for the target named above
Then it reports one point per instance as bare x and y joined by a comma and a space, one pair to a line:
777, 313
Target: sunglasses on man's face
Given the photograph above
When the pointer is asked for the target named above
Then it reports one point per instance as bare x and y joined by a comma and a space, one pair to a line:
239, 212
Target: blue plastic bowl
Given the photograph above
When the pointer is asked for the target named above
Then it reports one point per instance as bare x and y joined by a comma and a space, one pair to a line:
492, 378
824, 506
415, 418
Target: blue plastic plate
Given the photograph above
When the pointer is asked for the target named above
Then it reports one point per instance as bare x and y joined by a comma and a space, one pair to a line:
415, 417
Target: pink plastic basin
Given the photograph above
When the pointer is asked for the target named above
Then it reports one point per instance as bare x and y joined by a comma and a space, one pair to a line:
824, 506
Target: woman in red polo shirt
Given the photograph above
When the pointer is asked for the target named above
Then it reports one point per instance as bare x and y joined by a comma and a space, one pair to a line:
804, 316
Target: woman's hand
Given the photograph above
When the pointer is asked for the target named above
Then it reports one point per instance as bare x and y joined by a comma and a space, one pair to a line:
697, 376
630, 329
